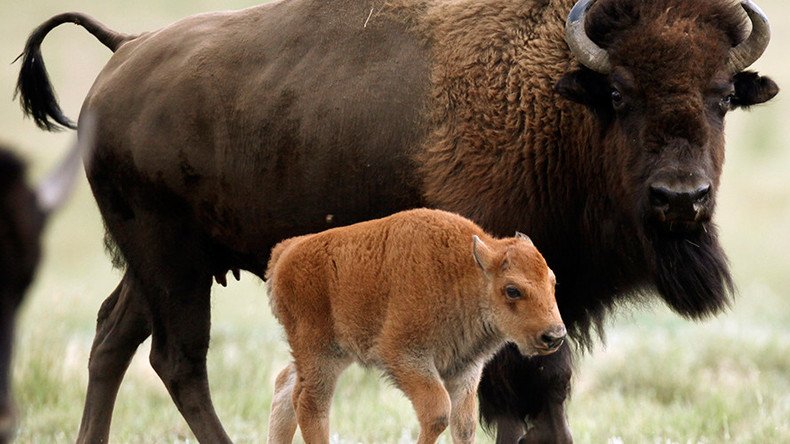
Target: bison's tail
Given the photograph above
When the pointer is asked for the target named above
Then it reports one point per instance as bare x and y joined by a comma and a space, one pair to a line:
34, 87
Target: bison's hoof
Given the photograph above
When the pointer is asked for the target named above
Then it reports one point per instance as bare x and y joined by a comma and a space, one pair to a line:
537, 435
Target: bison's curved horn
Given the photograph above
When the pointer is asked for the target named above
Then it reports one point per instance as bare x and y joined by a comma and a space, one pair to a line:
748, 51
585, 50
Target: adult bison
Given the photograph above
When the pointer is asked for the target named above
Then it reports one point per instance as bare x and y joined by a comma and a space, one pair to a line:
226, 132
23, 215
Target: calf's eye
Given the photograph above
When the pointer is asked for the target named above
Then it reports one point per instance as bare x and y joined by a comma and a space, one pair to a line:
512, 292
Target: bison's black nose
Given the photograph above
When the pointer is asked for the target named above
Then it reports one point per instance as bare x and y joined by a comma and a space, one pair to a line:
681, 203
553, 337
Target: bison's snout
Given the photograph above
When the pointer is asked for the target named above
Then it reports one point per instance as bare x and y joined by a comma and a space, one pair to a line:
680, 207
552, 338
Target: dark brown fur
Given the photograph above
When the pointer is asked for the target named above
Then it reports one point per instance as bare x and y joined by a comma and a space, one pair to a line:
300, 115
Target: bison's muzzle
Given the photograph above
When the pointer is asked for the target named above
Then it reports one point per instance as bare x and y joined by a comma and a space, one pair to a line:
680, 208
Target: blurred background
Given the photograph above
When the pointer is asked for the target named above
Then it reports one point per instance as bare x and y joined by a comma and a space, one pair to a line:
658, 378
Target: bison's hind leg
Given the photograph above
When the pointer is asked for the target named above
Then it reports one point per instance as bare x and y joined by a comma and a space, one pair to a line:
121, 326
172, 264
180, 320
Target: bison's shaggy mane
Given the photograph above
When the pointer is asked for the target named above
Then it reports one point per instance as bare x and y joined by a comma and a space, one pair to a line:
606, 19
501, 126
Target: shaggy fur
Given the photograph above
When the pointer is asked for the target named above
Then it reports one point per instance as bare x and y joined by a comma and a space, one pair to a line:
296, 116
411, 294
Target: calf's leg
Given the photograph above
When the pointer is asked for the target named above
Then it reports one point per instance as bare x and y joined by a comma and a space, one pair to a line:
282, 419
316, 377
463, 417
121, 326
427, 394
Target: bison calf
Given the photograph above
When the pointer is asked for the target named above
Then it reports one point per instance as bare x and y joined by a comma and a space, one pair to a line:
425, 295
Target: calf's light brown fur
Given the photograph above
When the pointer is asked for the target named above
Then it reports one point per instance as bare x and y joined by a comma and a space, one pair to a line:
425, 295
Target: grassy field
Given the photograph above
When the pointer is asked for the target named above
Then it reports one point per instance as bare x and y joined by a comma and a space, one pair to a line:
658, 379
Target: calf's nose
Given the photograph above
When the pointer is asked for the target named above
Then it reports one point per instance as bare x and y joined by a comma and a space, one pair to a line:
553, 337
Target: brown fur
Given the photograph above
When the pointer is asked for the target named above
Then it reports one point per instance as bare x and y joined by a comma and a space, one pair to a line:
412, 294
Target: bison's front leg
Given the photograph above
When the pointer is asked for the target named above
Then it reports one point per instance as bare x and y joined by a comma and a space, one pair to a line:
515, 389
550, 425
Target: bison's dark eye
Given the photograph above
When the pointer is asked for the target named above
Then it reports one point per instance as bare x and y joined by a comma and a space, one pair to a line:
512, 292
726, 103
617, 100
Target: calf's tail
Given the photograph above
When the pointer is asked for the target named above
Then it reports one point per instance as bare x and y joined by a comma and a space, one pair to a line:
33, 85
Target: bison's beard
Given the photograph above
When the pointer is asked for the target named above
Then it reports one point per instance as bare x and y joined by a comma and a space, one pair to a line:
691, 272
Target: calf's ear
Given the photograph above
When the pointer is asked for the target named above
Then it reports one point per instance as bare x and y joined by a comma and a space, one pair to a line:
483, 254
524, 237
752, 89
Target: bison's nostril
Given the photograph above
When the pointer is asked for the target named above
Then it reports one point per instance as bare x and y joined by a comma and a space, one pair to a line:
700, 194
660, 196
677, 199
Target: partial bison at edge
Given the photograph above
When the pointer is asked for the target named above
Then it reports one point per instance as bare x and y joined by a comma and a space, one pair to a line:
597, 127
24, 212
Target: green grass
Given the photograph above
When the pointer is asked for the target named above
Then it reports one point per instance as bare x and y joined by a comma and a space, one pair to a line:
659, 379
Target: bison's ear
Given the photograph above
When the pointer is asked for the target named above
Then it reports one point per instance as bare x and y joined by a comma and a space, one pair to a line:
586, 87
752, 89
484, 255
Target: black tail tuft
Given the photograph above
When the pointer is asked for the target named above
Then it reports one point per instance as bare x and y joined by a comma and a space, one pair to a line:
35, 89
